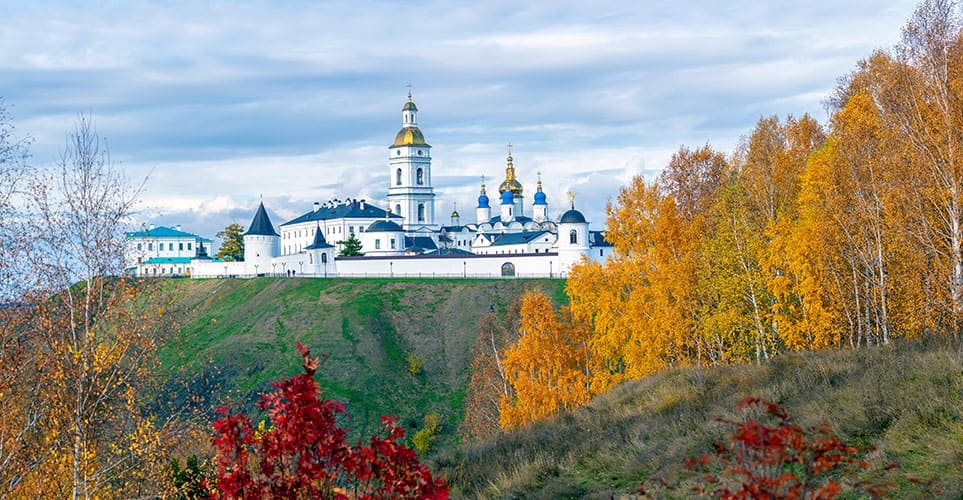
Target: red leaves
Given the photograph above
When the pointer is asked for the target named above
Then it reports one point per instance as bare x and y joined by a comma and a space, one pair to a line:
304, 454
778, 459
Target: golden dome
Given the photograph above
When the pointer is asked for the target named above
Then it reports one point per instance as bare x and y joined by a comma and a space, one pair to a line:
409, 136
511, 183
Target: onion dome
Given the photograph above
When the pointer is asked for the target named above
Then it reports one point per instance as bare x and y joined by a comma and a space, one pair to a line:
572, 216
454, 214
508, 198
540, 198
511, 183
409, 136
384, 226
483, 198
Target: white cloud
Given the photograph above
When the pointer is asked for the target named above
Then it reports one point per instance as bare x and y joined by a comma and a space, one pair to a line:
221, 103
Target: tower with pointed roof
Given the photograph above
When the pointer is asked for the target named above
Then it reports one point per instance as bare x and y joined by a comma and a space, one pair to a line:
540, 207
484, 211
410, 194
573, 235
261, 243
511, 184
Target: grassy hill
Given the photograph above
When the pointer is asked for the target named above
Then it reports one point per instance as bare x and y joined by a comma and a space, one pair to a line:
239, 335
905, 400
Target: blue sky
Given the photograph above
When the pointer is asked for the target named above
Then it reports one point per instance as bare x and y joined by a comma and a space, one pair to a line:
219, 103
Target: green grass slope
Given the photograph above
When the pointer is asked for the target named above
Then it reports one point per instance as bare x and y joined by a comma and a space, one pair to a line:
905, 400
239, 335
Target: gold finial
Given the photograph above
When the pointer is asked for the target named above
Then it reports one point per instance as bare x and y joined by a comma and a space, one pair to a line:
571, 198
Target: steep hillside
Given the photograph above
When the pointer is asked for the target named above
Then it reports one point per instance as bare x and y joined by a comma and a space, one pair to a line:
238, 335
905, 400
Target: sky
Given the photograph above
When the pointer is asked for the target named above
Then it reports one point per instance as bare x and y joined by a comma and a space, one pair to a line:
220, 104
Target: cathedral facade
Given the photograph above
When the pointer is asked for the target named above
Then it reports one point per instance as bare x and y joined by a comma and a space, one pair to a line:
406, 238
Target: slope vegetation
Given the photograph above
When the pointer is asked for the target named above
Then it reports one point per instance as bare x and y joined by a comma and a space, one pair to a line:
905, 400
238, 335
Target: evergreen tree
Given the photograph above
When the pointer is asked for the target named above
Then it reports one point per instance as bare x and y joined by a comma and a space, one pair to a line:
350, 247
232, 246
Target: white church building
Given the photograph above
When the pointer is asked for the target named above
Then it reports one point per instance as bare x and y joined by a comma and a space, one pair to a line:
405, 239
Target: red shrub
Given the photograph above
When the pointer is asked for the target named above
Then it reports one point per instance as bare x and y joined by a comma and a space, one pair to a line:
781, 460
304, 454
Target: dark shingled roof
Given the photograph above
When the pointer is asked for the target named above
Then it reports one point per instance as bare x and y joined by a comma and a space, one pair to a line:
261, 225
419, 242
345, 210
448, 251
597, 239
572, 216
384, 226
517, 238
319, 242
518, 218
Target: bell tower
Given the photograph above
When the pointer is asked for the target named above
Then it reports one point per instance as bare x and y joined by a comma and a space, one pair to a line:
410, 194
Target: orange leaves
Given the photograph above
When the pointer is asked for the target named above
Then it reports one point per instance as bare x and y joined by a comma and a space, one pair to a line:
547, 368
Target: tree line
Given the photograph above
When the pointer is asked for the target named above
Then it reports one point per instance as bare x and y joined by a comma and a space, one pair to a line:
807, 236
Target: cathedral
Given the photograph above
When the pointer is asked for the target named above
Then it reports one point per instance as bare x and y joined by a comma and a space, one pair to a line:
403, 238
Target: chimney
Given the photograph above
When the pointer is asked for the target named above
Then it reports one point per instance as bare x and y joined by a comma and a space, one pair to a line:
362, 204
317, 206
177, 227
150, 227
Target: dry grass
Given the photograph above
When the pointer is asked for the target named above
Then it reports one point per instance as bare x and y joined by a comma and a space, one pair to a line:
906, 400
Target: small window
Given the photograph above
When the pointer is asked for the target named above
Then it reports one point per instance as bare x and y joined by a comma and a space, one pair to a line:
180, 246
573, 237
377, 244
508, 269
310, 258
392, 243
150, 246
351, 229
139, 246
398, 209
601, 252
398, 176
188, 246
170, 246
420, 175
421, 212
324, 258
419, 152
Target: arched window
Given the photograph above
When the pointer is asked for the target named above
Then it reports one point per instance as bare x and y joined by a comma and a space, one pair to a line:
398, 209
573, 237
398, 177
420, 175
508, 269
324, 258
421, 212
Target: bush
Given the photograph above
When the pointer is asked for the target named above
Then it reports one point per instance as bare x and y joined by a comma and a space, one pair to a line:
415, 364
426, 436
781, 460
303, 453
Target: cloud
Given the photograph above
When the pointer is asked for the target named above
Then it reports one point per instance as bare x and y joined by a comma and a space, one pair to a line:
221, 103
